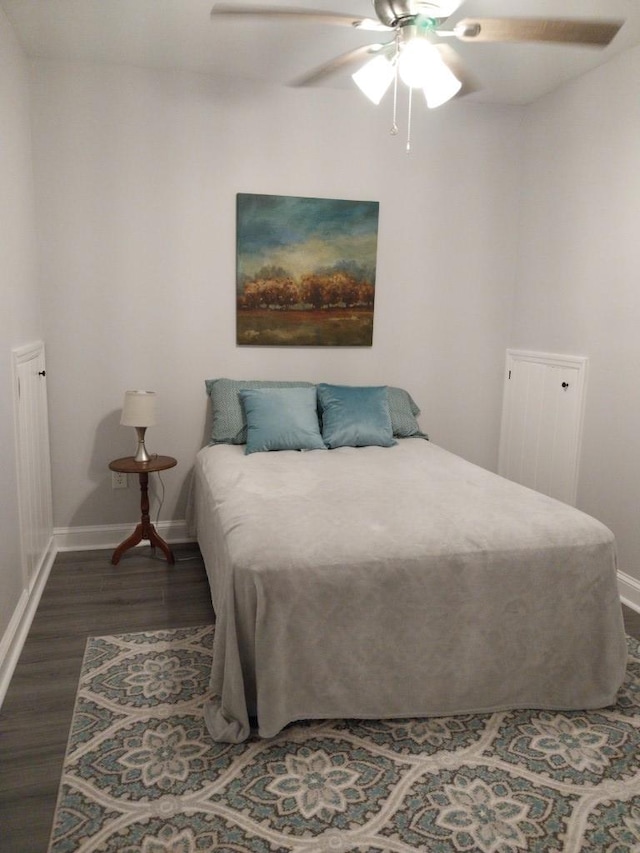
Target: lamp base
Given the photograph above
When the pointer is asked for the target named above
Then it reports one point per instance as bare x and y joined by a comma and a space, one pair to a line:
141, 453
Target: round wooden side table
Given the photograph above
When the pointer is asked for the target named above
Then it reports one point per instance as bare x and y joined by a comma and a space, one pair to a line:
145, 530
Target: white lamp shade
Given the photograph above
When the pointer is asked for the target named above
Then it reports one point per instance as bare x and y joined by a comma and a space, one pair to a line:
374, 78
139, 409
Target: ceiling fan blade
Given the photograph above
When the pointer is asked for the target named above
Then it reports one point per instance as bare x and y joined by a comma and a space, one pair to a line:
453, 61
298, 15
339, 62
568, 31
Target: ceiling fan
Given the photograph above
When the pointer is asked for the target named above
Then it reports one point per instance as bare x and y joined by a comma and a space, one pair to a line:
416, 53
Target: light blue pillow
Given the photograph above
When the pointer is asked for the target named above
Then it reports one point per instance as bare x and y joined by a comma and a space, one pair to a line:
355, 416
281, 419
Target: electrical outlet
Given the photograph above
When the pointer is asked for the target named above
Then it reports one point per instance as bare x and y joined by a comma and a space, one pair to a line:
118, 480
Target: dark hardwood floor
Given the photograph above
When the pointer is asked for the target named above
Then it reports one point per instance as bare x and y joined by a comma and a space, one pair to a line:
632, 622
86, 596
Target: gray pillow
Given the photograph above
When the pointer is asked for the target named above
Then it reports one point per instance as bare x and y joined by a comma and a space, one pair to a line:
403, 411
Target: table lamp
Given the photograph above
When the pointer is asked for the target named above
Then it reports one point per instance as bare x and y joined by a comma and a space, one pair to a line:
139, 411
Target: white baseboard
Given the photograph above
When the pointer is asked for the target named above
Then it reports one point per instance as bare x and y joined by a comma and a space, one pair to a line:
629, 588
92, 538
16, 633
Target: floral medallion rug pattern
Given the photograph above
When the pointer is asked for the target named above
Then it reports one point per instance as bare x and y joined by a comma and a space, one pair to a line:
142, 775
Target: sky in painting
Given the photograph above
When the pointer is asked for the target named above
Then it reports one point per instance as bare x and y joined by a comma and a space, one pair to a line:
303, 234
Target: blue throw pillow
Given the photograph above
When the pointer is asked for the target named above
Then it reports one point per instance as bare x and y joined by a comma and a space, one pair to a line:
355, 416
281, 419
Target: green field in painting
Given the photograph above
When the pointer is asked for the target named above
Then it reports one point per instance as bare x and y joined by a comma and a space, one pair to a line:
336, 328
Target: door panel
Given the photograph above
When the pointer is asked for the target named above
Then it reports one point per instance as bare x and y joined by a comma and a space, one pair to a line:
542, 422
33, 457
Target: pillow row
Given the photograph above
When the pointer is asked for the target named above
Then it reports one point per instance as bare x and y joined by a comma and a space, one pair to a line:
287, 418
349, 415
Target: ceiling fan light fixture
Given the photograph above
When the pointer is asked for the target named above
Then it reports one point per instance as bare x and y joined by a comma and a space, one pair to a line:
417, 54
374, 78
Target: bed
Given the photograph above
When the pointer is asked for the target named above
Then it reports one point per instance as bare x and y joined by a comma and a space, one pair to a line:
398, 580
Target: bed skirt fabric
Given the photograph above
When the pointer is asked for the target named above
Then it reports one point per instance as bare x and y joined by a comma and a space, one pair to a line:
397, 582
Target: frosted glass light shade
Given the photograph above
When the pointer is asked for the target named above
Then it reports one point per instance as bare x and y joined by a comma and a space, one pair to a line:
421, 67
374, 78
416, 61
441, 86
139, 409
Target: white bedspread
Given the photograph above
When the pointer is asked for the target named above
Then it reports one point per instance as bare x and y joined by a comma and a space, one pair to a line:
398, 582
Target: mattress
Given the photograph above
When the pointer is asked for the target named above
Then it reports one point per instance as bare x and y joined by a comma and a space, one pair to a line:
397, 582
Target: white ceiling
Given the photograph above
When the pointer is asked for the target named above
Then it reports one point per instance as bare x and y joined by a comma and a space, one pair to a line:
179, 34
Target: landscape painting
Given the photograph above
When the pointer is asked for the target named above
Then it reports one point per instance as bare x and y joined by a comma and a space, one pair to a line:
306, 271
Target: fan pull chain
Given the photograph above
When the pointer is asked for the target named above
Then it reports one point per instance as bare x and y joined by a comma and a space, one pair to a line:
394, 126
409, 121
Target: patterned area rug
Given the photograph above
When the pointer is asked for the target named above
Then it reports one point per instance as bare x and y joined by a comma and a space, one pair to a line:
142, 774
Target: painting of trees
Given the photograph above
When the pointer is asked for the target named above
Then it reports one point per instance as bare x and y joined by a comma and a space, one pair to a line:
305, 271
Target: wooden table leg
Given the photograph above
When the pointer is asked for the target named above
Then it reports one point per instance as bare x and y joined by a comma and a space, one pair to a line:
145, 530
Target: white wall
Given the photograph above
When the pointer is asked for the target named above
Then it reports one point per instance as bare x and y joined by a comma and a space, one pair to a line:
136, 177
19, 314
579, 274
137, 173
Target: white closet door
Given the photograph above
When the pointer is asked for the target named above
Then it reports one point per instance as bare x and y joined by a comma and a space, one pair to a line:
33, 457
542, 422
